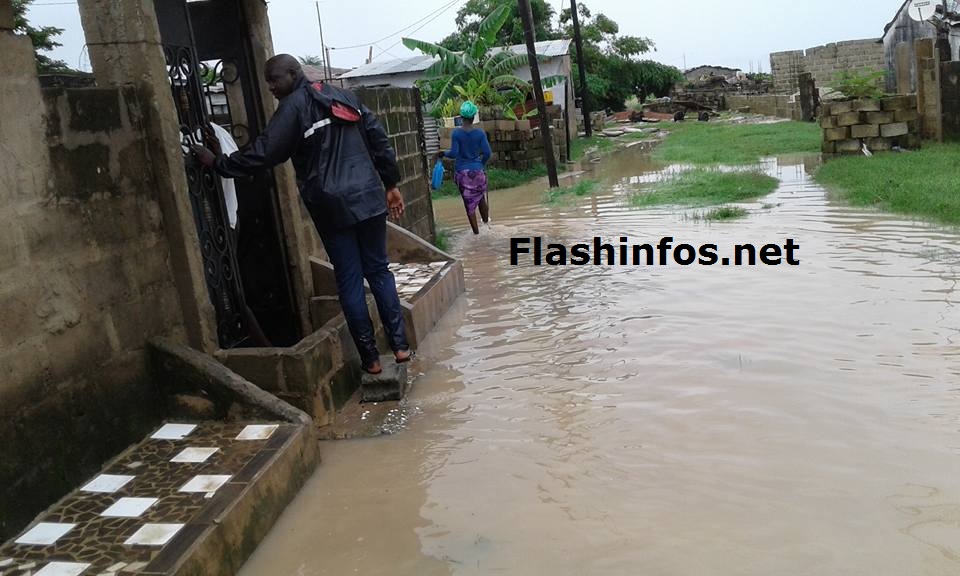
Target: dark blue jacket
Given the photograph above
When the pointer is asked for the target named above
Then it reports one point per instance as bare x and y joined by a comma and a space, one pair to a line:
343, 163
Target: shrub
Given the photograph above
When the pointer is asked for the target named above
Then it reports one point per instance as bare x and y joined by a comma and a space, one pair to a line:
854, 84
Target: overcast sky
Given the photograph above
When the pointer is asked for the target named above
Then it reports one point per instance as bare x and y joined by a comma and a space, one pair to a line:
735, 33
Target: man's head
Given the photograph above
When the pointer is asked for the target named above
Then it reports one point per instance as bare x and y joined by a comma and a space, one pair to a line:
283, 74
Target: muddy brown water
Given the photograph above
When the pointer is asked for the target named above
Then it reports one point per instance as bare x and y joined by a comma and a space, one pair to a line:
666, 420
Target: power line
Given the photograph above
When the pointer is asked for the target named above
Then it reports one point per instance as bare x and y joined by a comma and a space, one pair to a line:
432, 16
386, 50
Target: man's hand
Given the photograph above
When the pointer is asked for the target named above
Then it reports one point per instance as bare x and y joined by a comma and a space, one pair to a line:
204, 156
395, 203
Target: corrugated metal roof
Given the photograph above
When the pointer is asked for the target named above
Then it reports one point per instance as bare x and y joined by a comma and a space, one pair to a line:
548, 48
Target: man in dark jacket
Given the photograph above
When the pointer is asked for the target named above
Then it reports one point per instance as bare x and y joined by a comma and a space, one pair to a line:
347, 175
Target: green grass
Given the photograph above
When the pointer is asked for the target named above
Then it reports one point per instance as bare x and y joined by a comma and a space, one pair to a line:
711, 143
725, 213
705, 187
923, 183
603, 144
581, 188
497, 179
442, 239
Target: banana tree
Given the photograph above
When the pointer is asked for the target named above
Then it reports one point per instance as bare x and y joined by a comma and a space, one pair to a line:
480, 72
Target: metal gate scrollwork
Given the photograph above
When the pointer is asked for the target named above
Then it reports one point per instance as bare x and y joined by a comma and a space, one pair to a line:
217, 244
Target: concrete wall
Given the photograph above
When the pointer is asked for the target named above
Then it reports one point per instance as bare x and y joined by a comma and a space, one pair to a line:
694, 74
825, 62
905, 30
85, 279
398, 110
950, 99
768, 104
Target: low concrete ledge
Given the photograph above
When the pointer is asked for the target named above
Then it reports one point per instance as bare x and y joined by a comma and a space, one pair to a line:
182, 369
406, 247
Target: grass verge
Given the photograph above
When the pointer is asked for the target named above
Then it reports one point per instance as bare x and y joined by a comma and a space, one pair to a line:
725, 213
497, 179
581, 188
705, 143
442, 239
921, 183
603, 144
705, 187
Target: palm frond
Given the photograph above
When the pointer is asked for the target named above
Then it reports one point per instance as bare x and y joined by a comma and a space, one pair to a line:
491, 25
510, 81
428, 48
551, 81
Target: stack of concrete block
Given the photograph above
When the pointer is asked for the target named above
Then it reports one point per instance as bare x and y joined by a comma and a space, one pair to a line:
515, 144
878, 124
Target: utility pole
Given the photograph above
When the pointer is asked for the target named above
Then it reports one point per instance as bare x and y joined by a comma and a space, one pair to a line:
323, 47
329, 68
582, 65
526, 13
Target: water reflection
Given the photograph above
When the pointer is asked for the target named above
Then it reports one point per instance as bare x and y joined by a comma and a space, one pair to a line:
666, 420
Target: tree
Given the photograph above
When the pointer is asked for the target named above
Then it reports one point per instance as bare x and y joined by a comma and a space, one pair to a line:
311, 60
613, 72
474, 11
42, 38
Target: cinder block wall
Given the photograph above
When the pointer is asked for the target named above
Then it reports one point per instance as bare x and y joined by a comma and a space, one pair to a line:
768, 104
84, 281
825, 62
398, 110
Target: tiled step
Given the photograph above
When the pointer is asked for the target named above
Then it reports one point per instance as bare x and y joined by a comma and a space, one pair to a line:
191, 499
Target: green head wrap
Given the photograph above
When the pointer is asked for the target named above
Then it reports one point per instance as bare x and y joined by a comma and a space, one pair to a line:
468, 110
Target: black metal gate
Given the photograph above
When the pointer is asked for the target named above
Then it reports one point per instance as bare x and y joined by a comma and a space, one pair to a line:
209, 60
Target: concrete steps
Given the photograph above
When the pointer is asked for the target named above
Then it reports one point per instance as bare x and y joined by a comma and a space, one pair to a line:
191, 499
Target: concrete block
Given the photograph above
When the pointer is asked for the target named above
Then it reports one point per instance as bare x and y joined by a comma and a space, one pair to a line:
865, 131
848, 146
389, 385
829, 148
894, 130
6, 15
827, 121
834, 134
868, 105
848, 119
899, 103
909, 115
879, 144
880, 117
838, 108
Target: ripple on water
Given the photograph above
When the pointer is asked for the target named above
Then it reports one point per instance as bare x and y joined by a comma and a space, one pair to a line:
673, 420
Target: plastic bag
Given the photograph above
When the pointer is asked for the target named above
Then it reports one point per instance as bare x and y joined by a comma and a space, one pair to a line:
437, 180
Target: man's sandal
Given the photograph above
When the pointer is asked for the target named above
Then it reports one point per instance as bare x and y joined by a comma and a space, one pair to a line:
402, 356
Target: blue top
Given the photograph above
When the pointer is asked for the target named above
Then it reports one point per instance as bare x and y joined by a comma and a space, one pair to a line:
470, 149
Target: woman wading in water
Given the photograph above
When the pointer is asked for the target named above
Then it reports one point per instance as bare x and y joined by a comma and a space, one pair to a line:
471, 150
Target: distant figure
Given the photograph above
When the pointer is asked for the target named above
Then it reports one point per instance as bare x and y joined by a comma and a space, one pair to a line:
471, 150
704, 116
679, 116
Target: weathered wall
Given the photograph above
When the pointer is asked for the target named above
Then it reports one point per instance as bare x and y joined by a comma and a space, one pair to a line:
398, 110
85, 279
825, 62
905, 30
786, 68
950, 99
768, 104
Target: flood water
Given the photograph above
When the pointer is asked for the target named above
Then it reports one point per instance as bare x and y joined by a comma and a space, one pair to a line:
665, 420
